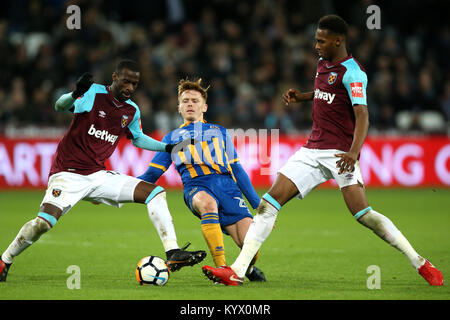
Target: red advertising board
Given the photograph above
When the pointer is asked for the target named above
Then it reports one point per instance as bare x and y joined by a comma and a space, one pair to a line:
385, 161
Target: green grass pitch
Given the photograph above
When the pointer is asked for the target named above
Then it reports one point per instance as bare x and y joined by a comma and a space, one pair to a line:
317, 251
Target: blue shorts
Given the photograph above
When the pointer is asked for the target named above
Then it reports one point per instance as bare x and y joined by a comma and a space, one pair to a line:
224, 190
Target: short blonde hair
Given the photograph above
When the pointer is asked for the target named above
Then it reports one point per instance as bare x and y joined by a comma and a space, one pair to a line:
186, 84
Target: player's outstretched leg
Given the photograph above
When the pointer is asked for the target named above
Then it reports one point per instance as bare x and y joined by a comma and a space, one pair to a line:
386, 230
28, 234
355, 199
179, 258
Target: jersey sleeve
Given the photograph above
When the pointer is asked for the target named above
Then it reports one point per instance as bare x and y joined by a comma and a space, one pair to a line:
355, 81
86, 101
245, 185
135, 127
242, 179
159, 164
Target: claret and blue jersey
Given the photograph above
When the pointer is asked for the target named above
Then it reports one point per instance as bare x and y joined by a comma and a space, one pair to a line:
99, 121
338, 87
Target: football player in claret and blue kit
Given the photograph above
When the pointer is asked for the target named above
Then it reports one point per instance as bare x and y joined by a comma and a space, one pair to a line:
102, 115
213, 178
340, 126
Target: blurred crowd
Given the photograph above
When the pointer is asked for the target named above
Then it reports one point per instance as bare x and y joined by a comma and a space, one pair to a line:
248, 52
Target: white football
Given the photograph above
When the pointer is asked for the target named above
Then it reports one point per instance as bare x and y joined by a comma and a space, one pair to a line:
152, 270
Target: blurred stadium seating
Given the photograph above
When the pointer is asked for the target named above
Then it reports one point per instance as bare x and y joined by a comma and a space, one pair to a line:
248, 51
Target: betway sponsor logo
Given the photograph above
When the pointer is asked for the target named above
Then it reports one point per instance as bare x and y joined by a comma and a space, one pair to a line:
328, 97
102, 134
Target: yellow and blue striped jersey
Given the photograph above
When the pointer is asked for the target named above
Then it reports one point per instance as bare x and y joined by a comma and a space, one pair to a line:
213, 154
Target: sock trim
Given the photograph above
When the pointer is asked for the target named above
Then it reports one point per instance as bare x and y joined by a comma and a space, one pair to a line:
210, 217
51, 220
359, 214
272, 201
154, 193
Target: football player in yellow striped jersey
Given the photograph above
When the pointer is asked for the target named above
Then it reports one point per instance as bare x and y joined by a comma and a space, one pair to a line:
213, 178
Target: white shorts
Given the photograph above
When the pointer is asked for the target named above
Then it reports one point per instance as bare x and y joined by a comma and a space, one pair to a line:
307, 168
65, 189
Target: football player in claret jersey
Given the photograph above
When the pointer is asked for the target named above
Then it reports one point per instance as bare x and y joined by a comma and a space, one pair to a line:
340, 125
212, 176
102, 115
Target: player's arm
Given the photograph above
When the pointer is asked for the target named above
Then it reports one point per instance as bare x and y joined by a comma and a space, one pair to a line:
148, 143
245, 185
347, 160
355, 81
159, 164
153, 172
143, 141
66, 101
293, 95
242, 178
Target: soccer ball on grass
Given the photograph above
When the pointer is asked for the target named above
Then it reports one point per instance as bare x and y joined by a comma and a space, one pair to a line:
152, 270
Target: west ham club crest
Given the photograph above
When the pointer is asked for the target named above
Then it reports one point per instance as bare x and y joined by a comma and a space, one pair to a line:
124, 121
332, 77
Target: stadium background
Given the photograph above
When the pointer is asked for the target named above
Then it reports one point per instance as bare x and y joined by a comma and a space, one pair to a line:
249, 52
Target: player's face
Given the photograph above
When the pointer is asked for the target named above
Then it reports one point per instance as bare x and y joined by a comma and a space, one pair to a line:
191, 105
326, 44
124, 84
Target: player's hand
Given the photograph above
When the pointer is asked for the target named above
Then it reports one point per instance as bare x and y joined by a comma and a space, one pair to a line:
347, 161
177, 147
83, 84
292, 95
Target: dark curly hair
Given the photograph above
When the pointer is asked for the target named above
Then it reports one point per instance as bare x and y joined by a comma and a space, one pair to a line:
333, 23
127, 64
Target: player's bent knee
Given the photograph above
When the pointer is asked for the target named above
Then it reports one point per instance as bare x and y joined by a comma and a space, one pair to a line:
204, 207
203, 203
